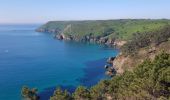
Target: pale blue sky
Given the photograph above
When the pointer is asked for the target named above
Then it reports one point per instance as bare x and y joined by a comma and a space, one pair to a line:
40, 11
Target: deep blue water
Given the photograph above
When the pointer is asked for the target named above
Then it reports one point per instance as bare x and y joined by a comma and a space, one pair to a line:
38, 60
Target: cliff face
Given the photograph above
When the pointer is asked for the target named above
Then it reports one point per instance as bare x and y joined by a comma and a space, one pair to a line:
92, 39
116, 33
109, 32
67, 35
83, 33
122, 62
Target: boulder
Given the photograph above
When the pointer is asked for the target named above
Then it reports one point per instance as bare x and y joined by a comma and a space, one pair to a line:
106, 66
59, 36
110, 60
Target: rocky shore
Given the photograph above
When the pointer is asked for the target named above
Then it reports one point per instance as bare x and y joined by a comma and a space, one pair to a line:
92, 39
111, 42
60, 35
110, 71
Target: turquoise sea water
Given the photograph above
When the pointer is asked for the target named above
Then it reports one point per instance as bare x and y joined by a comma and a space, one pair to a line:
38, 60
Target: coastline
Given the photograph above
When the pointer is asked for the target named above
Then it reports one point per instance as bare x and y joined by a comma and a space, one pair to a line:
43, 58
94, 72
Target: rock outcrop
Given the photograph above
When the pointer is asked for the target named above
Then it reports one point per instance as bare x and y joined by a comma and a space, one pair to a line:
110, 71
89, 38
67, 32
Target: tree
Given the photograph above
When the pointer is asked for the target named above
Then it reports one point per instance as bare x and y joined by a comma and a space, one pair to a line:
81, 93
98, 91
29, 94
59, 94
140, 40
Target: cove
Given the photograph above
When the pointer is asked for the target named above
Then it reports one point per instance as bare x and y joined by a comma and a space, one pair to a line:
38, 60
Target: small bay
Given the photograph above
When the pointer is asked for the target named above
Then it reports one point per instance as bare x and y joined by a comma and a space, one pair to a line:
38, 60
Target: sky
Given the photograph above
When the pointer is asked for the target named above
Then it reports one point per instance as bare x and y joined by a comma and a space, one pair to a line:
41, 11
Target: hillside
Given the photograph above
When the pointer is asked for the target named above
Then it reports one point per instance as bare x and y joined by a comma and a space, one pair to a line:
128, 62
142, 67
142, 46
102, 31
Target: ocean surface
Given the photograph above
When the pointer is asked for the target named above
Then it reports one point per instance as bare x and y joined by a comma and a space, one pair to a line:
38, 60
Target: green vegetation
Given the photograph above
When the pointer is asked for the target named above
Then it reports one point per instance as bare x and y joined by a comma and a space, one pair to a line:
29, 94
81, 93
119, 29
148, 81
61, 95
140, 40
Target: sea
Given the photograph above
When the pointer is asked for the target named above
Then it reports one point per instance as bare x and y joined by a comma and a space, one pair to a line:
38, 60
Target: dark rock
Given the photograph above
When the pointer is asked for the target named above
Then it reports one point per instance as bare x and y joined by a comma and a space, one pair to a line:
59, 36
110, 71
106, 66
110, 60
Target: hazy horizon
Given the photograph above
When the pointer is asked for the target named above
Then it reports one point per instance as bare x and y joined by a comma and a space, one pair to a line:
34, 23
31, 11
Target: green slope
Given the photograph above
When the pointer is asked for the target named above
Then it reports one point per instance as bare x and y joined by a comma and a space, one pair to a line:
120, 29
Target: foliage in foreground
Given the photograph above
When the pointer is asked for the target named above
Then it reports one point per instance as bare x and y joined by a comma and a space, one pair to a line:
140, 40
59, 94
148, 81
29, 94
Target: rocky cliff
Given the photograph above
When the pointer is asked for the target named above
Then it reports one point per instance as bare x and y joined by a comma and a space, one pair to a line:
92, 39
109, 32
140, 34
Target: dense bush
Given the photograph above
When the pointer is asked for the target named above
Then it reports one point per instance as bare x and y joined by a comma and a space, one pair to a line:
29, 94
59, 94
81, 93
140, 40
